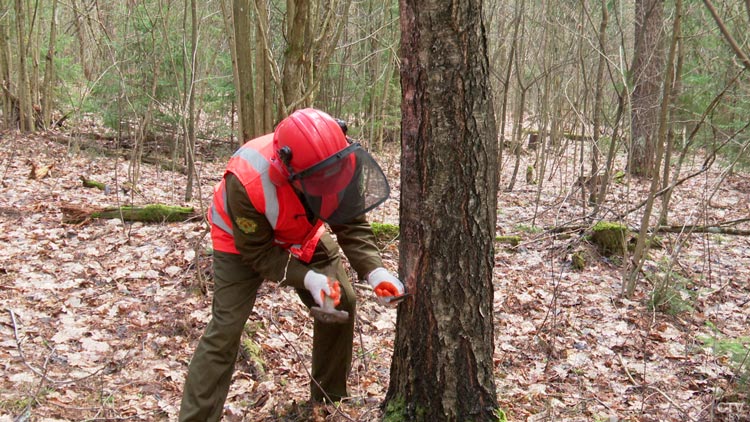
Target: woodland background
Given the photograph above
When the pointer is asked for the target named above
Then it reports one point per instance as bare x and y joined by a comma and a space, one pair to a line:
626, 112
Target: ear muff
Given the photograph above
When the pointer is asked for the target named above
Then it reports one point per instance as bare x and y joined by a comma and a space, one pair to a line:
279, 172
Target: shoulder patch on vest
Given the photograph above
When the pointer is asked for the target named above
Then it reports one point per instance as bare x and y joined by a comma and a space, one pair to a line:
246, 225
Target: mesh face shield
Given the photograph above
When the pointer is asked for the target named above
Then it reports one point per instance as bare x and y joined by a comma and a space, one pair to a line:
343, 186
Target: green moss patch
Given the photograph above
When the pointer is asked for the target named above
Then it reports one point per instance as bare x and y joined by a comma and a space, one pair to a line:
609, 237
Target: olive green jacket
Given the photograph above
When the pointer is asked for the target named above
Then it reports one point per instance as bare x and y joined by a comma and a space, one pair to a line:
272, 262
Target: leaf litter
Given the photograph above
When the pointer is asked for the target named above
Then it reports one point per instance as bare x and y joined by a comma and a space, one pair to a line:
99, 320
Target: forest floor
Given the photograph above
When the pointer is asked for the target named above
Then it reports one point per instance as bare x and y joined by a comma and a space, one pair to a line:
99, 320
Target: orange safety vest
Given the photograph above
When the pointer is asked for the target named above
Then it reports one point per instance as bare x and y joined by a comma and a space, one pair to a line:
280, 204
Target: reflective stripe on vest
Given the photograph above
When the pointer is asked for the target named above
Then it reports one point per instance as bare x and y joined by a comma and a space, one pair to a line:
292, 231
260, 164
216, 217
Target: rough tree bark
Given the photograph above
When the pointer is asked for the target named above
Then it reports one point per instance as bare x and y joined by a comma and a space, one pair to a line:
647, 76
295, 62
442, 362
641, 246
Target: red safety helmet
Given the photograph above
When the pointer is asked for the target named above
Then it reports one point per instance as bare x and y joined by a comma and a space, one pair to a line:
308, 137
338, 179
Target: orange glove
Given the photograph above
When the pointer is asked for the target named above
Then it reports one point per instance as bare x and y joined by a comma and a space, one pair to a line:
384, 283
321, 286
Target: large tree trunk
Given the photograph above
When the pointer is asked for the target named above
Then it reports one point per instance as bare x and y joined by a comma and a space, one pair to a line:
648, 74
641, 246
442, 362
293, 76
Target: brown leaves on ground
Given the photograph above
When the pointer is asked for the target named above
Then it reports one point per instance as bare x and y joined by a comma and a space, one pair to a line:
99, 320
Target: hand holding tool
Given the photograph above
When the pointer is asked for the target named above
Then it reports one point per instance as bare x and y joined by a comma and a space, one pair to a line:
327, 294
388, 288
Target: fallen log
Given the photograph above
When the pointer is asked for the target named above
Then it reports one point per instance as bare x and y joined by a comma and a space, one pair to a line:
153, 213
90, 183
704, 229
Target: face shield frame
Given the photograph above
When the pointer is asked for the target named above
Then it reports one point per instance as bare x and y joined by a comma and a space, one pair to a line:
343, 186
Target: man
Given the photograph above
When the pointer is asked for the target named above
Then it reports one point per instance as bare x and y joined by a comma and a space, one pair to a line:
267, 223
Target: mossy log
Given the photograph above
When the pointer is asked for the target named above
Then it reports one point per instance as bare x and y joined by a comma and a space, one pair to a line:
154, 213
89, 183
610, 237
511, 240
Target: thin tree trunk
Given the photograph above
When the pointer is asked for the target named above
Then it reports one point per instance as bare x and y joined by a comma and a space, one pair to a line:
664, 215
25, 114
82, 43
33, 52
517, 141
519, 4
245, 94
599, 91
49, 70
190, 92
226, 12
384, 103
610, 156
6, 64
263, 80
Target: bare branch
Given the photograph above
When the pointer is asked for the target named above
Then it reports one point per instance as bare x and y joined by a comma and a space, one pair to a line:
727, 36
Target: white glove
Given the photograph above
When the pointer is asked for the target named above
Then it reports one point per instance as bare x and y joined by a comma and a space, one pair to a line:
384, 283
321, 286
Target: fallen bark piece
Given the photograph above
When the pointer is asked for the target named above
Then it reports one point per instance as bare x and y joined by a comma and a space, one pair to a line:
154, 213
39, 172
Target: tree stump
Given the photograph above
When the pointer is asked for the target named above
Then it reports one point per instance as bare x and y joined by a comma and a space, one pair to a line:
609, 237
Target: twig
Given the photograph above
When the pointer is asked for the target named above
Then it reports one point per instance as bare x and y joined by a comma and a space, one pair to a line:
301, 360
672, 402
362, 346
36, 371
20, 349
663, 394
622, 363
35, 398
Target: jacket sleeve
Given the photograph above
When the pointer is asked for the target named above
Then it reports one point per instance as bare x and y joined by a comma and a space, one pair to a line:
253, 237
358, 243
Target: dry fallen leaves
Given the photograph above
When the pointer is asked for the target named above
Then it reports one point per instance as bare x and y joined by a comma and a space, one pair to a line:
107, 314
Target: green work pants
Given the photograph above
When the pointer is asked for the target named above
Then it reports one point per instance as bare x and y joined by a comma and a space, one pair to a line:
235, 287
